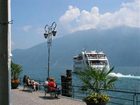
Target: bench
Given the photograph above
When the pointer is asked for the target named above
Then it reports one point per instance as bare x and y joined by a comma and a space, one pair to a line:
54, 92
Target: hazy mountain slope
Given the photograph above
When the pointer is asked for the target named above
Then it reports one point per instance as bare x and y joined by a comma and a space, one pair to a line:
121, 45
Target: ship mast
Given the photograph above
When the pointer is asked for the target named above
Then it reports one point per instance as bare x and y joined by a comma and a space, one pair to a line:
5, 51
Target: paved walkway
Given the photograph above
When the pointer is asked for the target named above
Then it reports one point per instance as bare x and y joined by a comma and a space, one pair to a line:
20, 97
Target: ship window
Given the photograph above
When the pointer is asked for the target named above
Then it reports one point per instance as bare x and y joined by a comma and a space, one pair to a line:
92, 56
97, 62
101, 56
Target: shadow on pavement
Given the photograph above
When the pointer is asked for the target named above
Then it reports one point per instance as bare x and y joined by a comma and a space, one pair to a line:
29, 91
48, 97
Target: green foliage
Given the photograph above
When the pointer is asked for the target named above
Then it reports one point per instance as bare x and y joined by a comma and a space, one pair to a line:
16, 69
95, 81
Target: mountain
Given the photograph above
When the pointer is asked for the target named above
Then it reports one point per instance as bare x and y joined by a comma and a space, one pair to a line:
120, 44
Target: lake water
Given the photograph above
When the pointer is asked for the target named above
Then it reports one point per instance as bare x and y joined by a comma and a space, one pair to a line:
129, 79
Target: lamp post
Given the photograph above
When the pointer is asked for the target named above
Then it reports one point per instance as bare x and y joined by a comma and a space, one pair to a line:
49, 33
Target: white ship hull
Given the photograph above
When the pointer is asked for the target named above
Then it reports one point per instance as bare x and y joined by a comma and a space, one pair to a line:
92, 59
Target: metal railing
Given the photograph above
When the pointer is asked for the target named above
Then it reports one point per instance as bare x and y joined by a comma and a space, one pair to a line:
117, 96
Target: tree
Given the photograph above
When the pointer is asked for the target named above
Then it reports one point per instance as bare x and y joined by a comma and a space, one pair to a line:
16, 69
95, 81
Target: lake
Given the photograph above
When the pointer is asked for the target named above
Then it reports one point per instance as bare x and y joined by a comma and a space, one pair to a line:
129, 78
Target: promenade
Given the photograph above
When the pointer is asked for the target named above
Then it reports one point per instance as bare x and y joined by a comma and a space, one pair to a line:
26, 97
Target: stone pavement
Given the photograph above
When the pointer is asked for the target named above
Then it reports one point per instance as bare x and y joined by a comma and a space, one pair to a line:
26, 97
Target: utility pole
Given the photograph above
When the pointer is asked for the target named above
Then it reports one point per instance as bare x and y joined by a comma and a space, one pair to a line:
5, 52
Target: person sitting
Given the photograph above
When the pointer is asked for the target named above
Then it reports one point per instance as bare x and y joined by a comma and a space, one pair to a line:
52, 87
45, 84
35, 85
28, 81
24, 81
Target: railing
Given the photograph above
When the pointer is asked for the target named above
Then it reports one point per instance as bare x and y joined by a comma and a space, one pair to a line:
118, 96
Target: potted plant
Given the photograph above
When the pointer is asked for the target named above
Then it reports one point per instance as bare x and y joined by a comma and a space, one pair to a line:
95, 81
16, 69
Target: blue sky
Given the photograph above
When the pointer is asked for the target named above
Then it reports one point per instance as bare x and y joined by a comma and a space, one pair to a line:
30, 16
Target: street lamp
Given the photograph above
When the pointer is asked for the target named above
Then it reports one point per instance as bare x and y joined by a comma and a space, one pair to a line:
49, 33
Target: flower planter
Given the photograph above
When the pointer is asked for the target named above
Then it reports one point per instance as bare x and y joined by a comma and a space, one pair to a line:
14, 84
92, 103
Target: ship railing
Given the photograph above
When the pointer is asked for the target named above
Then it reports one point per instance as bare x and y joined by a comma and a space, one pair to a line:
96, 57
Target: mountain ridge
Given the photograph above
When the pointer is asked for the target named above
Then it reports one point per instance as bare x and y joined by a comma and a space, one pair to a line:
121, 45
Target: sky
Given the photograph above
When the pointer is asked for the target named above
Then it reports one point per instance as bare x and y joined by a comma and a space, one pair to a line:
30, 17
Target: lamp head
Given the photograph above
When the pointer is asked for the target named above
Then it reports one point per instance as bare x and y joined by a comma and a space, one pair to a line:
54, 33
45, 35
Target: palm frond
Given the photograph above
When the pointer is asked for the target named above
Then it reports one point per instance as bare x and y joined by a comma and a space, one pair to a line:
95, 79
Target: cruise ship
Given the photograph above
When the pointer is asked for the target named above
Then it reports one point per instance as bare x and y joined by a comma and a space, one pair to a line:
92, 59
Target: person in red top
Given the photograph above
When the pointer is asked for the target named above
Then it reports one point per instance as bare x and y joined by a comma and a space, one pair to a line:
52, 85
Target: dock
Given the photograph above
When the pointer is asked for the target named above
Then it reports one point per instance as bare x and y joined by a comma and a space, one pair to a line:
26, 97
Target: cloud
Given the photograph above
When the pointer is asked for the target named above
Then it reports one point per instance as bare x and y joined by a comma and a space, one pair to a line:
27, 28
71, 14
75, 19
